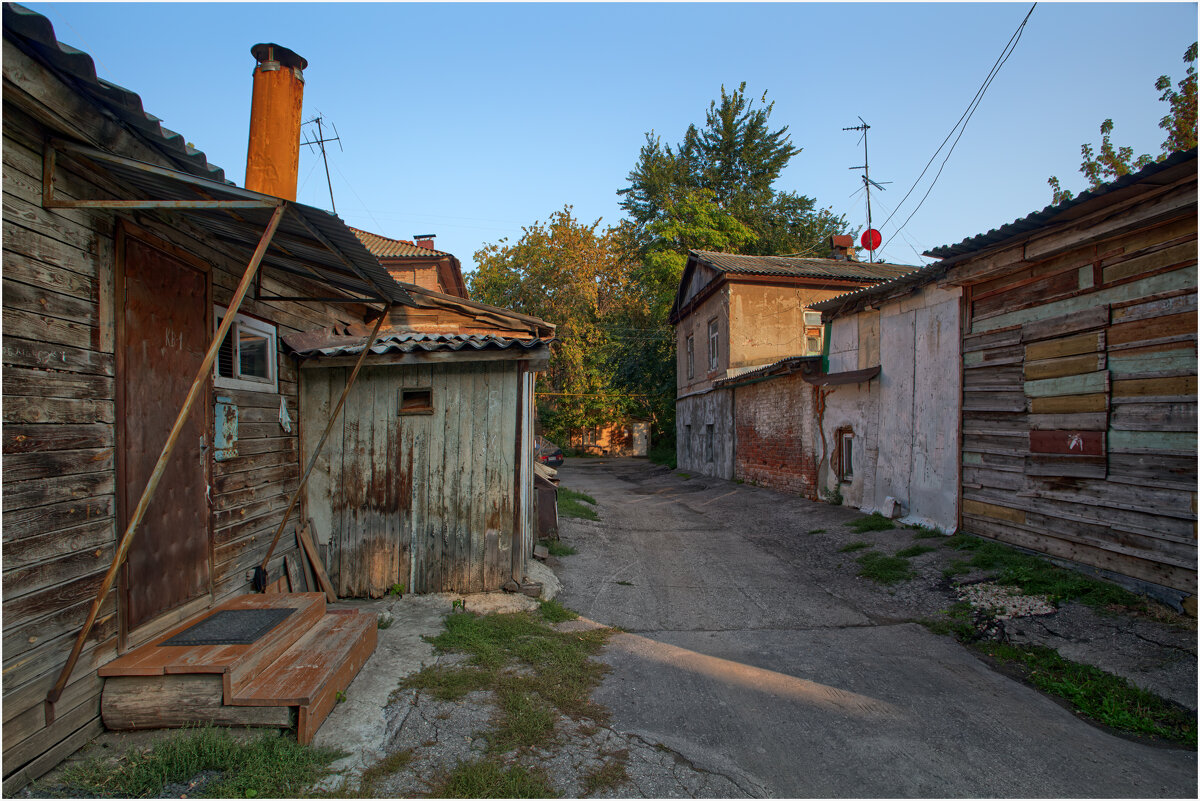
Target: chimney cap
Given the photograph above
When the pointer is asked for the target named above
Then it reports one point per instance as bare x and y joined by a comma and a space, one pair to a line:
269, 51
424, 236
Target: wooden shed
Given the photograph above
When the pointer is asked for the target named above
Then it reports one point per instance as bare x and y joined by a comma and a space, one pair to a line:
427, 480
1079, 379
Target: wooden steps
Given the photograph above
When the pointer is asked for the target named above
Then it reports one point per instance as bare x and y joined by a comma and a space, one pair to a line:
292, 675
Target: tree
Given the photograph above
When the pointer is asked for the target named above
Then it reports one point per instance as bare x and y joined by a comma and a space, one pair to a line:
574, 275
1112, 162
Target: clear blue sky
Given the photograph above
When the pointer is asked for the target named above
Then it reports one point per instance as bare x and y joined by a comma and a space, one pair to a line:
472, 120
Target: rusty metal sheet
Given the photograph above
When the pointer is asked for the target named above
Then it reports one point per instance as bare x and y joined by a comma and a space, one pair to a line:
165, 309
225, 430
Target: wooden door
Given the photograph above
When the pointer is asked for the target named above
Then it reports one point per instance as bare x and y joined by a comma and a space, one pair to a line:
164, 313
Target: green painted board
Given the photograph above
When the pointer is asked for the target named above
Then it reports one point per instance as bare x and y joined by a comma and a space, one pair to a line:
1179, 359
1152, 440
1085, 384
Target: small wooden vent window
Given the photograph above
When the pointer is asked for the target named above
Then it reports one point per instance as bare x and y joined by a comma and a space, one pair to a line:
416, 401
247, 357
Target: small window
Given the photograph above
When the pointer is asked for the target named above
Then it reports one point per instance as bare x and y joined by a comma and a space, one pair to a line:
812, 318
416, 401
714, 344
247, 357
708, 442
845, 454
691, 354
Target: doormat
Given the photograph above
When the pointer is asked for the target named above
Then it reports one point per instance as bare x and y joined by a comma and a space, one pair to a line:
231, 627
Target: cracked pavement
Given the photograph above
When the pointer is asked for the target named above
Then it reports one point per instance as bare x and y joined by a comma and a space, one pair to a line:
753, 652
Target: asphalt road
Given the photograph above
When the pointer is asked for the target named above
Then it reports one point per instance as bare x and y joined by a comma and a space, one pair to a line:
751, 657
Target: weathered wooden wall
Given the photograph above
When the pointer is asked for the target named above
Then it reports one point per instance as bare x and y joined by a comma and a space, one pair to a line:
59, 524
423, 500
1079, 396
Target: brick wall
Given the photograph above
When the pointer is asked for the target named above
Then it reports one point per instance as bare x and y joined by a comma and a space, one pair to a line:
777, 443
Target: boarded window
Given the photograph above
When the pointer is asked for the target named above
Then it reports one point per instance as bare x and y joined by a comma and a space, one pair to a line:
416, 401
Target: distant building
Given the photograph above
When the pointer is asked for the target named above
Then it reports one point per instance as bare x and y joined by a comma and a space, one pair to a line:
416, 262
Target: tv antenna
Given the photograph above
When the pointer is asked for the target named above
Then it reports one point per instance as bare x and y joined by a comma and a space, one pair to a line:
320, 141
871, 239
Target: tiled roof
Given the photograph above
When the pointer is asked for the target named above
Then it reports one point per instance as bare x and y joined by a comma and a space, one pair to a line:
801, 267
1050, 214
383, 247
339, 342
38, 34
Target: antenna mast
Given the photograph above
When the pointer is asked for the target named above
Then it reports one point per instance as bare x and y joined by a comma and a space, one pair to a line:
320, 141
871, 234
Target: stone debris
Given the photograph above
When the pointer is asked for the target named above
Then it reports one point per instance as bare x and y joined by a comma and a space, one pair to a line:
1008, 602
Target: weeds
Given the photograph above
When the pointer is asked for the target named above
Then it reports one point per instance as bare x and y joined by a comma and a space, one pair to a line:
883, 569
554, 612
871, 522
609, 776
1036, 576
368, 781
625, 583
833, 496
571, 504
815, 531
854, 546
957, 621
396, 590
487, 778
663, 452
558, 547
683, 475
922, 533
1101, 696
268, 767
914, 550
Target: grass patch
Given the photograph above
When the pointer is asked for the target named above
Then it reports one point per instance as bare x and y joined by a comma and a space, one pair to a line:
609, 776
535, 671
571, 504
871, 522
883, 569
560, 548
368, 781
957, 621
554, 612
1101, 696
854, 546
625, 583
663, 452
914, 550
816, 531
683, 475
267, 767
922, 533
1035, 575
487, 778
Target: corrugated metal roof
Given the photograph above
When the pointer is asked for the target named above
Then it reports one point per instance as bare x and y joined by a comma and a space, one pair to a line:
38, 35
897, 286
1060, 212
784, 366
339, 342
384, 247
800, 267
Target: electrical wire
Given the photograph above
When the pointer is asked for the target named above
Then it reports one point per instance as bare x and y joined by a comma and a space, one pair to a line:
961, 125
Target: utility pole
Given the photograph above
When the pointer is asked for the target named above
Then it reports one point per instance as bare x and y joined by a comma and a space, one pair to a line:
320, 142
866, 177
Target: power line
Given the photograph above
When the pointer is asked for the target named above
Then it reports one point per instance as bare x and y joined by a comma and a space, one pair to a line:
961, 125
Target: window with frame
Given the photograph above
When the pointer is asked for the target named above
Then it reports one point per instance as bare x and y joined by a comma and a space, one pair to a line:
691, 354
845, 454
714, 343
248, 357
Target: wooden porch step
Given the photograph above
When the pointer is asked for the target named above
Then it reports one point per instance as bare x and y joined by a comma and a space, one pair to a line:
316, 668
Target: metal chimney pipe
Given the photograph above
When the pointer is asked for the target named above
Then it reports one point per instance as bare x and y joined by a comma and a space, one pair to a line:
273, 156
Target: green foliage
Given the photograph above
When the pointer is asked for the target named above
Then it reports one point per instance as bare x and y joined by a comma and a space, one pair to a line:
554, 612
268, 767
922, 533
1034, 575
957, 621
396, 590
816, 531
871, 522
571, 504
1111, 162
883, 569
663, 452
833, 497
558, 547
1101, 696
488, 778
854, 546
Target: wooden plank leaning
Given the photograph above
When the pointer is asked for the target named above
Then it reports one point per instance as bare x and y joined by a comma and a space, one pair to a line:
260, 571
139, 512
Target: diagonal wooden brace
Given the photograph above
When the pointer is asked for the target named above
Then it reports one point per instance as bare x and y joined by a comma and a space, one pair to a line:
160, 467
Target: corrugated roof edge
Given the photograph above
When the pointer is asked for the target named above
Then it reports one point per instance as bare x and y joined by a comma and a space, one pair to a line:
1039, 218
897, 286
790, 363
39, 33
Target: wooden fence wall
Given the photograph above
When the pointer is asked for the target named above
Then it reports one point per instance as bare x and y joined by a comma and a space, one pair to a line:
1079, 399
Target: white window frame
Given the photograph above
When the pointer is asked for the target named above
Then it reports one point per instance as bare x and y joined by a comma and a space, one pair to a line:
254, 384
714, 344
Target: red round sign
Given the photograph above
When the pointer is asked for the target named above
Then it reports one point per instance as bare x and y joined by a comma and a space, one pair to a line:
871, 239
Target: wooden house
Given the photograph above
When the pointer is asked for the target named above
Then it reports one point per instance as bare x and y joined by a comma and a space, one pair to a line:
427, 482
736, 314
630, 437
1079, 379
416, 262
153, 420
888, 408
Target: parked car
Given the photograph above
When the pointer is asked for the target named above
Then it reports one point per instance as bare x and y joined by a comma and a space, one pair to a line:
547, 452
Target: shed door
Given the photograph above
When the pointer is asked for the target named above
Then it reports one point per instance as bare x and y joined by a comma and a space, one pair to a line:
164, 335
